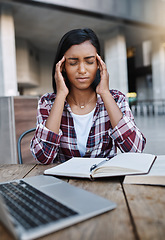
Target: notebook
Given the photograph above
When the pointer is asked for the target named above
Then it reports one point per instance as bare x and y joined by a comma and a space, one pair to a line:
156, 175
120, 165
36, 206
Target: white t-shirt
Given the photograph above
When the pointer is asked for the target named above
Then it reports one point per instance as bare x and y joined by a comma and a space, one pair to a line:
82, 124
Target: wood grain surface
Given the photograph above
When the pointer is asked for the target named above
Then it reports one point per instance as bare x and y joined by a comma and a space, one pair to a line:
139, 213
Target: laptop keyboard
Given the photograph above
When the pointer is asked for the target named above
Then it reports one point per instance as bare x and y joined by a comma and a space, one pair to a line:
30, 207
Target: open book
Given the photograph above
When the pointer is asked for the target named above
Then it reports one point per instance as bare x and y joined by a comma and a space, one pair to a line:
156, 175
120, 165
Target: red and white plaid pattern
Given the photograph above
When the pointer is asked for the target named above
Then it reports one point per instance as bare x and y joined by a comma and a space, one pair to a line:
48, 147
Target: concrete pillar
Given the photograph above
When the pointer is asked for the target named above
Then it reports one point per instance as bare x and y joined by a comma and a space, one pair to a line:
116, 60
158, 68
8, 148
8, 75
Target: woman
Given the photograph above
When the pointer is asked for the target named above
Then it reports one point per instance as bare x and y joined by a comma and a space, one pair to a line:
83, 117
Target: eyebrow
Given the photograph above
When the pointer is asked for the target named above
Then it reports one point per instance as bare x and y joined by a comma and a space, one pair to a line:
84, 58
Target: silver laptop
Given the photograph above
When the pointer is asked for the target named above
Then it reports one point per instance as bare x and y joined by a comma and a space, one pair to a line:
36, 206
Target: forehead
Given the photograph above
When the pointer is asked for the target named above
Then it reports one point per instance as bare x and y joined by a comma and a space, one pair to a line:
82, 49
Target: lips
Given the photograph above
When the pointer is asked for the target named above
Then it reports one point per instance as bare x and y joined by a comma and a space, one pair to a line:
82, 79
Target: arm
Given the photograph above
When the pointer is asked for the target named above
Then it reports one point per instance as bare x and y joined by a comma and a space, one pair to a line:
102, 89
125, 133
54, 119
46, 141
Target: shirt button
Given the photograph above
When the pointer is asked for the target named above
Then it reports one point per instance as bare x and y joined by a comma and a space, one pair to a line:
88, 151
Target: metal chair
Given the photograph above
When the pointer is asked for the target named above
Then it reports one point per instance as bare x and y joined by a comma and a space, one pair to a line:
19, 144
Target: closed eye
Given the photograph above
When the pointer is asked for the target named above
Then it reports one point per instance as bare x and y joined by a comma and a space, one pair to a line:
90, 62
72, 63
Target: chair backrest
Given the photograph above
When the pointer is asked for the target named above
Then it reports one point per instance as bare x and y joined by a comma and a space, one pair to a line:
19, 143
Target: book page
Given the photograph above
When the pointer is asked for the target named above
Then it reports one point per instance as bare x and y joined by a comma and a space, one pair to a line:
158, 168
156, 176
113, 171
139, 162
75, 167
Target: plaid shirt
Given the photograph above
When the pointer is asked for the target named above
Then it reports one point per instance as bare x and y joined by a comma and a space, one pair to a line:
48, 147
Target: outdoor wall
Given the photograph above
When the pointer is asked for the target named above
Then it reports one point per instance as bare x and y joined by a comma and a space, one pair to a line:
27, 64
8, 83
34, 66
7, 131
116, 60
45, 74
17, 115
140, 10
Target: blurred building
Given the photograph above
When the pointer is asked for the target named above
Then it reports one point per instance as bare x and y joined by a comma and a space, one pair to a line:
132, 35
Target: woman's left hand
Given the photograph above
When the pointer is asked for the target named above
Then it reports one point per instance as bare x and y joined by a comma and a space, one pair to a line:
103, 86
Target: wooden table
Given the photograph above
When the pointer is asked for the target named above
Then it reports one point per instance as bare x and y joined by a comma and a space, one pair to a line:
140, 212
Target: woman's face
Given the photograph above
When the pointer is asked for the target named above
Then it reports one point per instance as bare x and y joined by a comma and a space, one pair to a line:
81, 65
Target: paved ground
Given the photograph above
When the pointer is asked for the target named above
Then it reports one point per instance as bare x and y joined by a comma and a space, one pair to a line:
153, 127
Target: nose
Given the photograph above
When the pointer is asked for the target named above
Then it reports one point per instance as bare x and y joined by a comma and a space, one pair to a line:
81, 68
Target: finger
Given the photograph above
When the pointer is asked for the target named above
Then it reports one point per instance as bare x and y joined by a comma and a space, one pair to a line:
102, 64
62, 61
60, 64
98, 59
98, 56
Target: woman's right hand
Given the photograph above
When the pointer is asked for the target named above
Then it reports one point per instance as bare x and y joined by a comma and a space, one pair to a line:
53, 121
60, 81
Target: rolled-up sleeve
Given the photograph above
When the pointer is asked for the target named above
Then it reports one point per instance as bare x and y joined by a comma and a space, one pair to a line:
127, 136
45, 143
